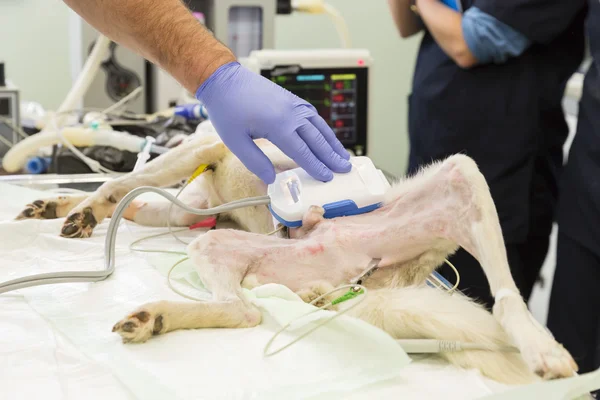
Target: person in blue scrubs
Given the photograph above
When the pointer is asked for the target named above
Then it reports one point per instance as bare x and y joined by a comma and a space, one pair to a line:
488, 83
574, 314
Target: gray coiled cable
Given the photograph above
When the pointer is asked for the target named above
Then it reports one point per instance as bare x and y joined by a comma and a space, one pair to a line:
111, 237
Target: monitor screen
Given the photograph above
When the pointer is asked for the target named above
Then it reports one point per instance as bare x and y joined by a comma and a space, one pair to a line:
338, 94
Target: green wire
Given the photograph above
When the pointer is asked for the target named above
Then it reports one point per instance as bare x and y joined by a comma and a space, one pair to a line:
354, 288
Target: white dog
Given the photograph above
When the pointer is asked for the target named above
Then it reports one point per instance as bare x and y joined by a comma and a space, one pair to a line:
424, 219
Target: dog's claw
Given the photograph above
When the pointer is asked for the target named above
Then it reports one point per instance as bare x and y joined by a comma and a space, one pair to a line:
25, 214
553, 362
39, 209
70, 229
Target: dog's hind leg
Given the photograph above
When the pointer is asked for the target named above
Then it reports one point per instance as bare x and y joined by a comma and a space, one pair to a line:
228, 308
475, 227
426, 313
165, 170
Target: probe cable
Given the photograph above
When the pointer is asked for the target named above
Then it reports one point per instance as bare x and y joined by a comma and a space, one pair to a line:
111, 237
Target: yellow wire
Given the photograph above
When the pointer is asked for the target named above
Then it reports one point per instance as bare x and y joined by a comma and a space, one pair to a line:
276, 230
457, 276
197, 172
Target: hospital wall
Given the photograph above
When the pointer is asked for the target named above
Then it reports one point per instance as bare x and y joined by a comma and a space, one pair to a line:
30, 28
34, 43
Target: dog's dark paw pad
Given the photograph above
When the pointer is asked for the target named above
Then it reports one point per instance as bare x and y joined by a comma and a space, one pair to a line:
79, 224
143, 316
139, 327
158, 325
27, 213
129, 326
39, 209
71, 230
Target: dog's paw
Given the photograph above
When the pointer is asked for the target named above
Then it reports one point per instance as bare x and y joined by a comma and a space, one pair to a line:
542, 354
549, 360
139, 326
79, 224
316, 291
313, 216
39, 209
310, 221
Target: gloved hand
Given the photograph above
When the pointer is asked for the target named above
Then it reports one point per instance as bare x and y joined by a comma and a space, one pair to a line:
243, 106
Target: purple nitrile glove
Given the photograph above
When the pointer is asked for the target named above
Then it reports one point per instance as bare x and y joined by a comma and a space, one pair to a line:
243, 106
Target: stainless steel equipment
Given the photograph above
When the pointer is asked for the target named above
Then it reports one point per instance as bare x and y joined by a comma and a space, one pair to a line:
243, 25
9, 110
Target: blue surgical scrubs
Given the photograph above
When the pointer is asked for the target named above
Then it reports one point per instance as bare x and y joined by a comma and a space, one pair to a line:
507, 116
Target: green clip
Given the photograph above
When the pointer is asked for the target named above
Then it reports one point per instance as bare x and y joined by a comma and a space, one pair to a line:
94, 125
348, 296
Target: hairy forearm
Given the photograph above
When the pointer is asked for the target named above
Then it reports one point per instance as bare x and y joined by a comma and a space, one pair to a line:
406, 21
445, 26
162, 31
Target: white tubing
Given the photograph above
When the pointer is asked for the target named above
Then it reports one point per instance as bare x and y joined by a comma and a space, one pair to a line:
340, 25
321, 7
119, 140
15, 159
87, 74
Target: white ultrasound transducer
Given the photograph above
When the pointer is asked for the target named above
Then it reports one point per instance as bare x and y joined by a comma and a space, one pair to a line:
359, 191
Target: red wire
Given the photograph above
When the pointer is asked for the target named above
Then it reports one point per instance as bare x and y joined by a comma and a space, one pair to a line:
209, 222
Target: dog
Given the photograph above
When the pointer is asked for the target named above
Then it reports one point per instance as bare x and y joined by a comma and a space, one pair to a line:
424, 219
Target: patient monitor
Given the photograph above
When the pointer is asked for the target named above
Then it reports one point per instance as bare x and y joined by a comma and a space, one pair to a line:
335, 82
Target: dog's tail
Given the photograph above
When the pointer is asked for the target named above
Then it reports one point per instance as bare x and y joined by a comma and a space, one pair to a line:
424, 313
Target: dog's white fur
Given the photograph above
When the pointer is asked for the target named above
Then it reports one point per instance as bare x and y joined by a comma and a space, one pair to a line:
424, 219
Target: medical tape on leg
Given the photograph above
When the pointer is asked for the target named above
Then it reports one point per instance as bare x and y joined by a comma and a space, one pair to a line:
502, 293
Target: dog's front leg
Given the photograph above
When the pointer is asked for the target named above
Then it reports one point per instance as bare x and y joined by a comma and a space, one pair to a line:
165, 170
51, 208
157, 213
